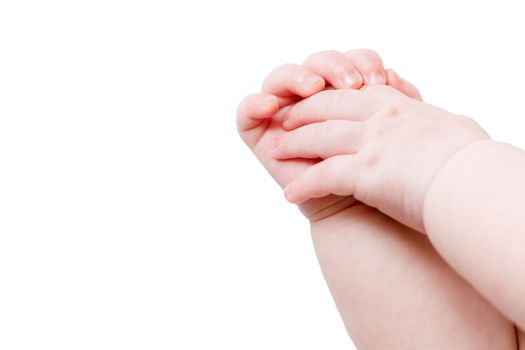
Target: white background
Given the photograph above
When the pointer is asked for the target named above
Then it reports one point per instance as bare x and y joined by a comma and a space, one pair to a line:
131, 214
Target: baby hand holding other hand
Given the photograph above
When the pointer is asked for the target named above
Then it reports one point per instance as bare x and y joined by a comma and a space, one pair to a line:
377, 144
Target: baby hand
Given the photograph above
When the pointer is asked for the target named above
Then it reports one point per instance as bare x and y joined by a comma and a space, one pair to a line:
378, 145
259, 125
258, 116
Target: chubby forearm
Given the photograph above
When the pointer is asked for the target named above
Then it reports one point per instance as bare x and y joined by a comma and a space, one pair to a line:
394, 292
474, 215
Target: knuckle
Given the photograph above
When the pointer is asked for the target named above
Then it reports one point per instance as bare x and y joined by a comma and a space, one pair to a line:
353, 137
379, 90
370, 56
328, 53
368, 52
285, 66
278, 72
394, 108
321, 55
339, 98
369, 59
329, 60
370, 158
390, 111
334, 65
373, 90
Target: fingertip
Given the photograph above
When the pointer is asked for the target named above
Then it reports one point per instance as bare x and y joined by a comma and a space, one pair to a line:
375, 78
352, 80
417, 95
287, 192
290, 120
391, 76
310, 84
292, 196
258, 106
255, 108
286, 121
292, 80
289, 195
394, 80
288, 124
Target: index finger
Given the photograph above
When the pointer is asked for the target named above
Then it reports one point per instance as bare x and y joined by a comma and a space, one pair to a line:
289, 80
344, 104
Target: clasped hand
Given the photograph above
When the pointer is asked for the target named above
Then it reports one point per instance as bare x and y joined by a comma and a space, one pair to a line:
376, 144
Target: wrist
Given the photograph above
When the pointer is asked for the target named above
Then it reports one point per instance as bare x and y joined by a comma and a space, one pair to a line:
327, 207
351, 215
463, 169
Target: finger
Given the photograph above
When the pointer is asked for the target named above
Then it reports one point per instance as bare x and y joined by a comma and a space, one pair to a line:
382, 91
335, 68
291, 80
252, 114
395, 81
343, 104
320, 140
335, 175
369, 64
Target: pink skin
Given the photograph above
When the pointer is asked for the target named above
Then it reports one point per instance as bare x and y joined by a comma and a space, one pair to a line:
370, 293
259, 115
473, 214
377, 145
259, 125
394, 291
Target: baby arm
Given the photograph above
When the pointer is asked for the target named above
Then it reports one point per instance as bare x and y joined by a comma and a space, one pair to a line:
475, 216
394, 291
380, 273
427, 168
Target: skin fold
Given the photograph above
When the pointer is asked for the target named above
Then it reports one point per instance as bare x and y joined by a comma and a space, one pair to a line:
429, 169
391, 287
378, 145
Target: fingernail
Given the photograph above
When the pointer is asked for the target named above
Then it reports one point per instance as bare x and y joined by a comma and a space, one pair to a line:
311, 80
350, 80
376, 79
